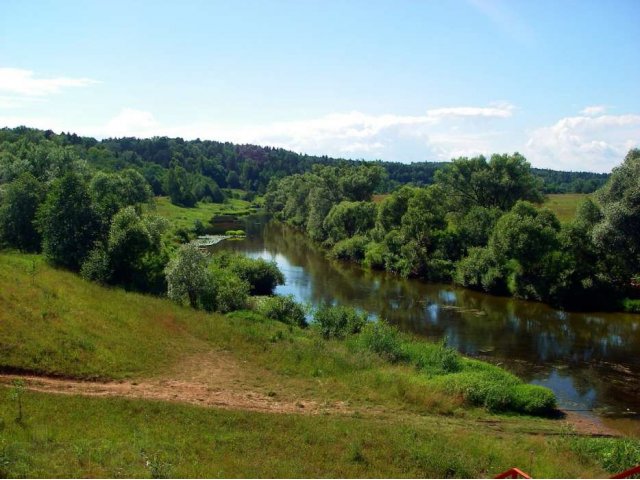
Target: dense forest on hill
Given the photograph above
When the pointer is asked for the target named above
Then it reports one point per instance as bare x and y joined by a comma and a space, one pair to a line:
193, 170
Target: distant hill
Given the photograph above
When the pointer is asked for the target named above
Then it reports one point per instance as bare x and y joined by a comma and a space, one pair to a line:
250, 167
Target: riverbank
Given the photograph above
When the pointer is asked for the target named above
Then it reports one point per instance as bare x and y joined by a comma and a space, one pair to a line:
369, 417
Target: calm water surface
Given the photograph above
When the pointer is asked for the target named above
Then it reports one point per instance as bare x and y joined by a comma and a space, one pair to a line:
590, 360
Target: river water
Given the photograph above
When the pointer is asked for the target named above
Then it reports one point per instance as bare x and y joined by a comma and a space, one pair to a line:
590, 360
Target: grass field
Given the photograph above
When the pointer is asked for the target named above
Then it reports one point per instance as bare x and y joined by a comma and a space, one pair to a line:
356, 414
184, 218
564, 205
67, 436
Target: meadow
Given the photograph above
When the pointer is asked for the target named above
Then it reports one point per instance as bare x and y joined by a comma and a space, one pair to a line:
293, 404
564, 205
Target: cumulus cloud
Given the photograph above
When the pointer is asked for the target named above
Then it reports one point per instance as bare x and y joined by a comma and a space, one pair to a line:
502, 111
594, 143
24, 82
130, 122
434, 135
438, 134
593, 110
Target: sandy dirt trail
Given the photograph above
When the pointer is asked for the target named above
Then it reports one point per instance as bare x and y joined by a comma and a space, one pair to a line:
217, 380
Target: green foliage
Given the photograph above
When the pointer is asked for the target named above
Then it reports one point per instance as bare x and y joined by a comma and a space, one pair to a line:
16, 394
186, 275
433, 358
179, 188
631, 305
350, 249
499, 183
225, 291
283, 308
18, 206
383, 339
614, 454
347, 219
619, 229
262, 276
339, 321
110, 192
533, 399
67, 222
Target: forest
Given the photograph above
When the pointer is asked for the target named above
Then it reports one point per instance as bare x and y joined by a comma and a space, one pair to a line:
476, 223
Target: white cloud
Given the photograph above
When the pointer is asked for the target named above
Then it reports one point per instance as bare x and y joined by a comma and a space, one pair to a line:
593, 143
593, 110
23, 82
130, 123
359, 135
503, 111
438, 134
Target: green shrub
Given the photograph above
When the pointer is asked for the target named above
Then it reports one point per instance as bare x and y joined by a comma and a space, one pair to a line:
350, 249
375, 255
614, 454
226, 291
284, 309
97, 266
235, 233
632, 306
533, 399
383, 339
491, 387
261, 275
433, 358
339, 321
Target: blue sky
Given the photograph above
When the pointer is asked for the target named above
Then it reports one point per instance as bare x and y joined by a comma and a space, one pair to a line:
396, 80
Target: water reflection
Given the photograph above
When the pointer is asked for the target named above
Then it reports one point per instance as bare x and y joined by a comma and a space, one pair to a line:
591, 360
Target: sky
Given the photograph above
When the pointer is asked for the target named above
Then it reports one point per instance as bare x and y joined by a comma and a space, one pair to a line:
406, 81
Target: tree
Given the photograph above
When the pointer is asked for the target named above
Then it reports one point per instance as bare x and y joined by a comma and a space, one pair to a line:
619, 229
358, 184
179, 187
18, 208
67, 222
499, 183
187, 278
347, 219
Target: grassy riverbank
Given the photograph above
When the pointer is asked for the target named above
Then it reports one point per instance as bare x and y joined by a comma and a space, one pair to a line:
327, 408
184, 218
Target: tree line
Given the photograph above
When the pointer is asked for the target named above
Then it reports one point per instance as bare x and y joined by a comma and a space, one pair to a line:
478, 225
197, 170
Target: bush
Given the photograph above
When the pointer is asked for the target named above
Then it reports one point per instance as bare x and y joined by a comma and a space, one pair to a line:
339, 321
284, 309
97, 266
489, 386
383, 339
226, 292
350, 249
632, 306
533, 399
261, 275
375, 255
434, 358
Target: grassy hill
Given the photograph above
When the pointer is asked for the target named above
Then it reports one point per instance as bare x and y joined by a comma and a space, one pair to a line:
356, 415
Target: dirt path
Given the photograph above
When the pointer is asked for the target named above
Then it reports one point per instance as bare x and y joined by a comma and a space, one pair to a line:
196, 393
216, 379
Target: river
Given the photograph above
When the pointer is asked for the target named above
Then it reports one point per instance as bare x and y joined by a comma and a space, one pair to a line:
590, 360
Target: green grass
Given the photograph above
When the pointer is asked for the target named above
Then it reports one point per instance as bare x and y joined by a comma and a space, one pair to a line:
564, 205
184, 218
403, 423
65, 436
